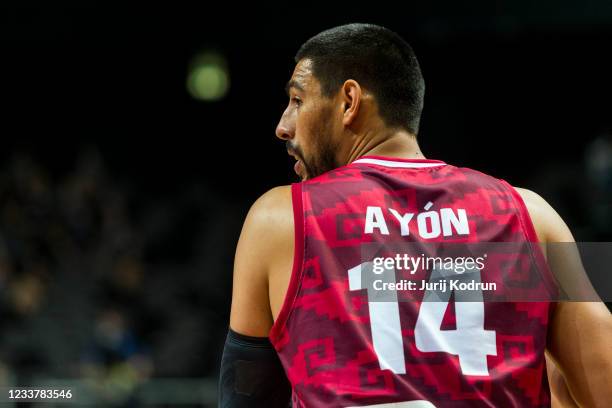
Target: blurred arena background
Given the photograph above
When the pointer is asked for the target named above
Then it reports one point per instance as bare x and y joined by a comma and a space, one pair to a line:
136, 136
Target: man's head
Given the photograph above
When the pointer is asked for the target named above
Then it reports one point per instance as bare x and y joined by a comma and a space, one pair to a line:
348, 81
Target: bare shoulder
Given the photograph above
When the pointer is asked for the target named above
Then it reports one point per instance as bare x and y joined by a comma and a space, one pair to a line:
270, 219
264, 241
275, 198
534, 202
548, 224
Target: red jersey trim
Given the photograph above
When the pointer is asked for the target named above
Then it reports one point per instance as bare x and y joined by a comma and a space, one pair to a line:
532, 237
525, 218
298, 260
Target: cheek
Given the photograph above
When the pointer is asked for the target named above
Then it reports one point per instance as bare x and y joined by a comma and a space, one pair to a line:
303, 130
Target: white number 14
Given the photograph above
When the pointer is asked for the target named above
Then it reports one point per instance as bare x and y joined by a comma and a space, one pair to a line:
469, 341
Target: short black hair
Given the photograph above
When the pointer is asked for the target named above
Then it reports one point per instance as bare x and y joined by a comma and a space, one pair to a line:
376, 57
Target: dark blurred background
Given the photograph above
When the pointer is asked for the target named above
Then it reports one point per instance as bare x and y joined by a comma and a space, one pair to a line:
135, 136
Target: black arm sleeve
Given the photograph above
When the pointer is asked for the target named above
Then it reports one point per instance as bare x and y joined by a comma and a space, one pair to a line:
251, 374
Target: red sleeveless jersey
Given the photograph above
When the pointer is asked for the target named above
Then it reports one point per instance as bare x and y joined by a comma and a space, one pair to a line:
340, 347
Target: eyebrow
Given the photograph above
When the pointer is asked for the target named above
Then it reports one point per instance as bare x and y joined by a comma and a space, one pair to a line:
293, 84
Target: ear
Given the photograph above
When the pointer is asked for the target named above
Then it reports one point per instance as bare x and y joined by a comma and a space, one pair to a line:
351, 95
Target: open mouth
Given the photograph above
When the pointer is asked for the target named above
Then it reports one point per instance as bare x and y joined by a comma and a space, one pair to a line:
298, 167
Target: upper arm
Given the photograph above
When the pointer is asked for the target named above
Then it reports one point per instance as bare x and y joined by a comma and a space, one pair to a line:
580, 330
265, 238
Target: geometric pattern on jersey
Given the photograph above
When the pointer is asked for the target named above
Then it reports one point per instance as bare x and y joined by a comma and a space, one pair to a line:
324, 331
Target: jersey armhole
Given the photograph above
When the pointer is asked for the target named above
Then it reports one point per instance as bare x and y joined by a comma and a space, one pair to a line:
296, 271
534, 242
524, 216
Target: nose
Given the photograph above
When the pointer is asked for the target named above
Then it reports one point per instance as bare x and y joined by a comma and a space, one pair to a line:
285, 130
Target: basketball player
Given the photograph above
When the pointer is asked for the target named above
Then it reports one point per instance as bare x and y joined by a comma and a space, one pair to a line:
301, 323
